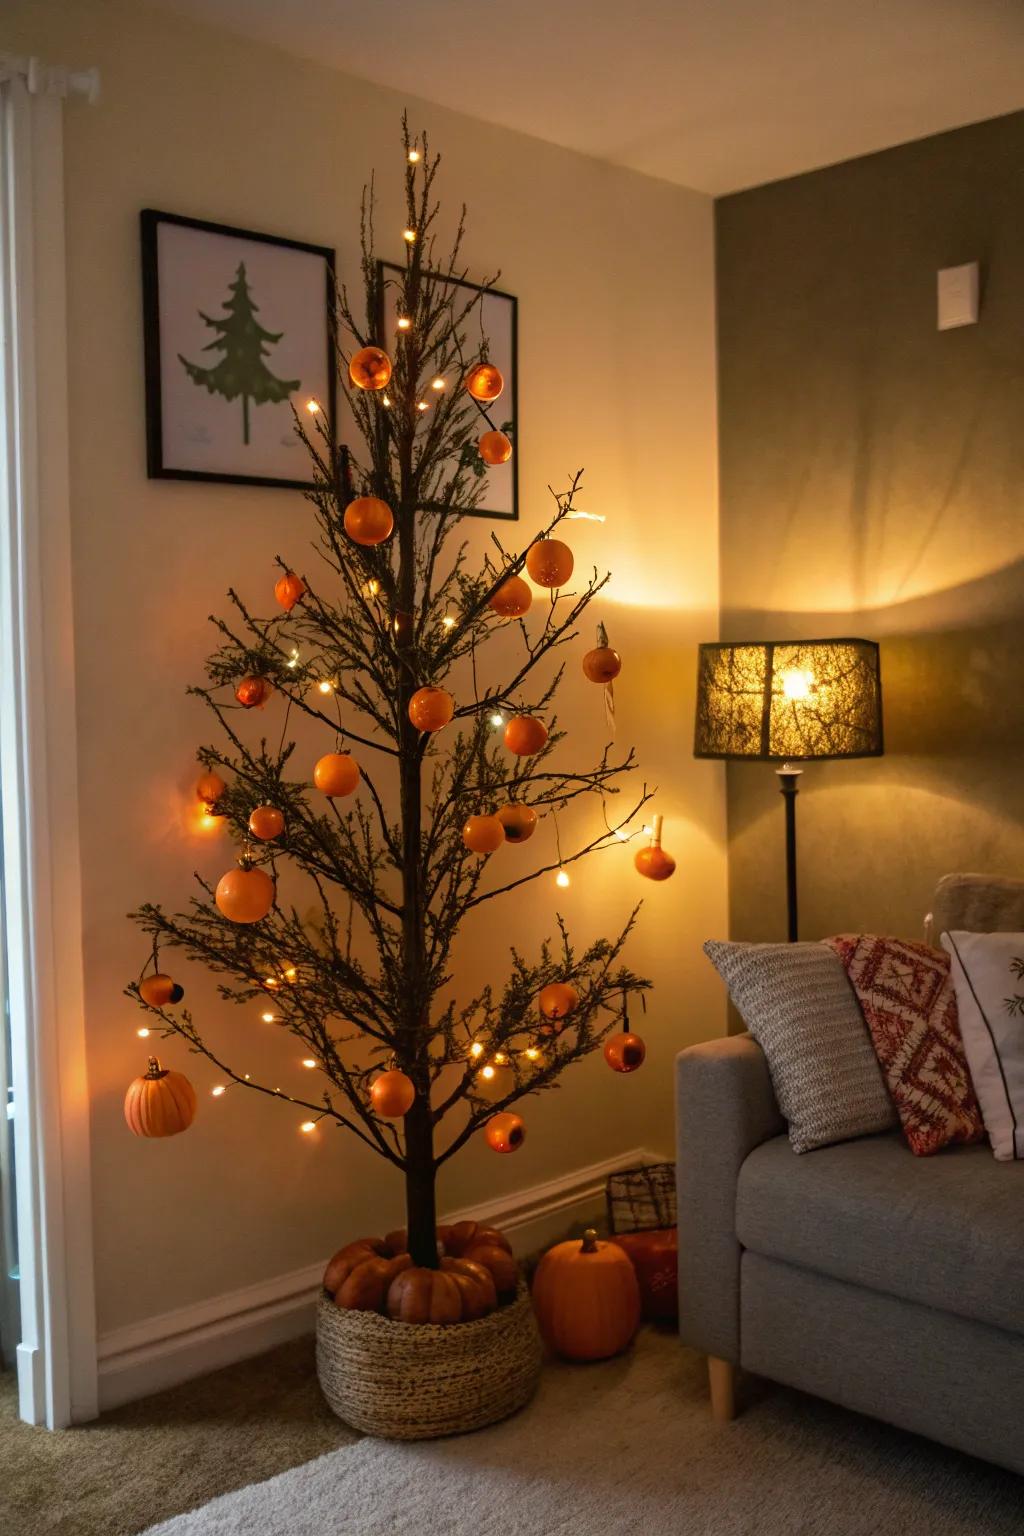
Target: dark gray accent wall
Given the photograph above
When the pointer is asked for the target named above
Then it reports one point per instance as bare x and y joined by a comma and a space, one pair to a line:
872, 483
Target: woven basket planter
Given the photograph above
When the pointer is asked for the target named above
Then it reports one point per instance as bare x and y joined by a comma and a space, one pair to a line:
419, 1381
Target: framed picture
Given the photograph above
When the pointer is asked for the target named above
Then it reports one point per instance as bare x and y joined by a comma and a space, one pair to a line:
497, 318
237, 335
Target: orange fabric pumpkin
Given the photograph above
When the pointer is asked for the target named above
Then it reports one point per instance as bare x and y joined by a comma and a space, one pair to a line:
485, 382
498, 1262
525, 735
425, 1296
162, 1103
586, 1299
483, 834
336, 774
159, 990
370, 368
602, 664
519, 821
512, 599
505, 1133
430, 709
549, 562
476, 1285
209, 787
245, 895
288, 589
392, 1094
266, 823
368, 520
495, 448
253, 692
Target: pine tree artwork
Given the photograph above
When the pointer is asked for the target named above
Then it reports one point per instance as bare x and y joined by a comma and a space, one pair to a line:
244, 343
358, 863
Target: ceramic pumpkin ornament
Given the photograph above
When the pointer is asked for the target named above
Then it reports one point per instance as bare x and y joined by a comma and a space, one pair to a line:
519, 821
161, 1103
483, 834
370, 368
368, 521
549, 563
392, 1094
653, 862
430, 709
586, 1298
160, 989
512, 599
288, 589
484, 382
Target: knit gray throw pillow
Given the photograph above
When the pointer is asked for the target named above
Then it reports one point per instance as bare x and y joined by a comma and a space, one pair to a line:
799, 1006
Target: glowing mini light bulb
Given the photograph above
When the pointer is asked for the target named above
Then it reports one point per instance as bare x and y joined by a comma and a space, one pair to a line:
143, 1033
409, 236
438, 383
307, 1126
386, 400
448, 621
476, 1049
268, 1018
487, 1071
532, 1053
219, 1091
414, 156
423, 405
497, 720
404, 323
500, 1059
562, 879
308, 1062
313, 407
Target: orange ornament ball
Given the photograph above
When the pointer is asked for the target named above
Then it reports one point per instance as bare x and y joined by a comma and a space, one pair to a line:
209, 788
485, 382
430, 709
392, 1094
557, 1000
336, 774
624, 1052
289, 589
159, 990
483, 834
253, 692
505, 1133
368, 520
654, 863
245, 895
266, 823
519, 822
512, 599
525, 735
495, 448
162, 1103
370, 368
602, 664
549, 562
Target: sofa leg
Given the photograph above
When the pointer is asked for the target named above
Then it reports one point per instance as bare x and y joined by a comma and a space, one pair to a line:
722, 1381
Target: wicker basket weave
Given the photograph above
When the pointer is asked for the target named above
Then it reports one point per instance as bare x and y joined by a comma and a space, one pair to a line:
418, 1381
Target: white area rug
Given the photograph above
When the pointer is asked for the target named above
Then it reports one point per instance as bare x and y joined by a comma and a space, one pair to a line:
628, 1447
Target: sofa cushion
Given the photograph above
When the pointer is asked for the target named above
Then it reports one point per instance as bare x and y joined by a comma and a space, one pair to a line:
988, 975
946, 1231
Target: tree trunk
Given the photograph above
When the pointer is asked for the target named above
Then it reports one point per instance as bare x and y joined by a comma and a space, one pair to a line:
245, 419
420, 1174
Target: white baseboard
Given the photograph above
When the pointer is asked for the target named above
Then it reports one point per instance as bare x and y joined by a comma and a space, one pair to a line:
149, 1356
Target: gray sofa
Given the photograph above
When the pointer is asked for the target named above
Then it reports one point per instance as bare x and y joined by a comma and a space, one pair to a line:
891, 1284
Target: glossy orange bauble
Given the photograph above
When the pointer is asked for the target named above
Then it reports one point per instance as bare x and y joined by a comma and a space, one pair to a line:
252, 692
430, 709
392, 1094
557, 1000
159, 990
289, 589
655, 863
549, 563
209, 787
512, 599
245, 895
483, 834
336, 774
368, 520
485, 382
519, 821
495, 448
160, 1104
266, 823
624, 1052
586, 1299
505, 1133
602, 664
370, 368
525, 734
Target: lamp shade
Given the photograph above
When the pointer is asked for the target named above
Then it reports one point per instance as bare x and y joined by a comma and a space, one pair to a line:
789, 699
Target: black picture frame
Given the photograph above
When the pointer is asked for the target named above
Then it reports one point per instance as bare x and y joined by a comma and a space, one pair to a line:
157, 467
510, 394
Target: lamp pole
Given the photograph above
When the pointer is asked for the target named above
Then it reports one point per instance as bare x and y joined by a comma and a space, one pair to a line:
789, 787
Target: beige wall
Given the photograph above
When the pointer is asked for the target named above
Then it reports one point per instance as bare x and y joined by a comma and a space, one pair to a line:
871, 481
614, 273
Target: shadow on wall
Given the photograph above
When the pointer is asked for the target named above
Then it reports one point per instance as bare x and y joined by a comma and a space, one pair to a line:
875, 835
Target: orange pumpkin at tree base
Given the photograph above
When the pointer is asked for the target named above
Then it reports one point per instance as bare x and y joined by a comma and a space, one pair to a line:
586, 1299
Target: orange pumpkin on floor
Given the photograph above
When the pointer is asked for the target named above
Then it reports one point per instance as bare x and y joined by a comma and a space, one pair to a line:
425, 1296
160, 1104
586, 1299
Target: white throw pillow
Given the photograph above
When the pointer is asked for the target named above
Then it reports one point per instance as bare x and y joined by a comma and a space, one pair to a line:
988, 975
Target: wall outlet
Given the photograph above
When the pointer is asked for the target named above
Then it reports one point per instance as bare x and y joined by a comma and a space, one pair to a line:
958, 296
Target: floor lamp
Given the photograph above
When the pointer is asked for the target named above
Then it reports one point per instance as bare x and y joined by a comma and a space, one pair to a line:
789, 701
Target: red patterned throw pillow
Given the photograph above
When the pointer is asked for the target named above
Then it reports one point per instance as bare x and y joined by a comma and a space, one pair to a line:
908, 1001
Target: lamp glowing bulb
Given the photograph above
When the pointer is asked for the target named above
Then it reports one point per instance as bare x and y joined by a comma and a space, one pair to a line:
562, 879
797, 683
219, 1091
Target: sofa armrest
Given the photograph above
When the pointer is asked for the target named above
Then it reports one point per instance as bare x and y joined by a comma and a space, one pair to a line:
725, 1107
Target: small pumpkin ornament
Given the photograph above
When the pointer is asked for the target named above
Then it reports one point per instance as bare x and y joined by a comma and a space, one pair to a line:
505, 1133
162, 1103
266, 823
586, 1299
424, 1296
336, 774
549, 563
245, 894
602, 665
370, 368
525, 735
288, 589
485, 382
653, 862
209, 788
392, 1094
159, 990
512, 599
495, 448
368, 521
483, 834
253, 692
430, 709
519, 821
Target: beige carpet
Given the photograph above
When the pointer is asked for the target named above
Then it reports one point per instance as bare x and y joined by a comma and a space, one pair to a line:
627, 1447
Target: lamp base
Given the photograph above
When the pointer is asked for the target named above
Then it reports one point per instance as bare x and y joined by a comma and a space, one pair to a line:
789, 787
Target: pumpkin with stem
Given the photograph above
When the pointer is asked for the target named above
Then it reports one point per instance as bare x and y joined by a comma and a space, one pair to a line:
161, 1103
586, 1298
425, 1296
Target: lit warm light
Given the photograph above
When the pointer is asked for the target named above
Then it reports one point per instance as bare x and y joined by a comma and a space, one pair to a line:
584, 517
409, 236
648, 831
268, 1018
476, 1049
307, 1126
308, 1062
497, 720
293, 659
404, 323
372, 588
622, 836
325, 686
562, 879
500, 1059
386, 400
437, 383
423, 405
143, 1033
218, 1091
487, 1071
448, 621
531, 1053
312, 407
414, 156
797, 683
291, 973
272, 982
